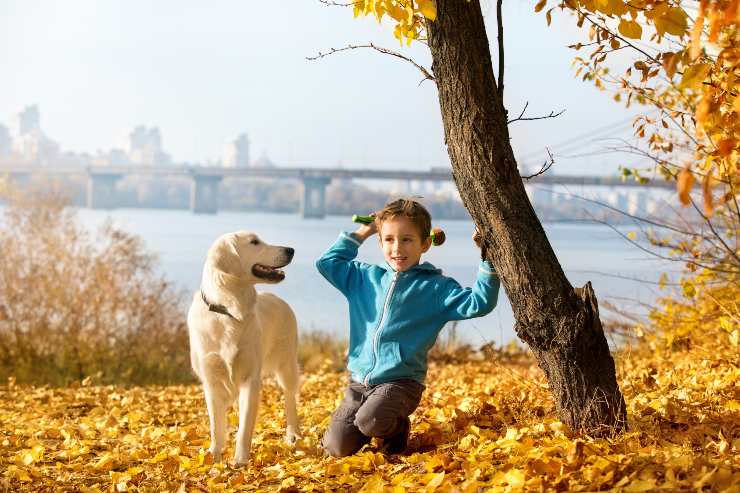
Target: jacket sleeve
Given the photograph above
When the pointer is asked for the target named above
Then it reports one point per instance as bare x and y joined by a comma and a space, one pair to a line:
460, 303
338, 266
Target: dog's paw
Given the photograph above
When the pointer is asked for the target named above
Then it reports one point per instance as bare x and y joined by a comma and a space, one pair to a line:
216, 455
241, 456
292, 436
241, 461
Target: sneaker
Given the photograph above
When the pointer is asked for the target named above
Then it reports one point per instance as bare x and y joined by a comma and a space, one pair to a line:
397, 443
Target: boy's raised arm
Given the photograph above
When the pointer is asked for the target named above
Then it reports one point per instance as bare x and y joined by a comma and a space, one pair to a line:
460, 303
337, 264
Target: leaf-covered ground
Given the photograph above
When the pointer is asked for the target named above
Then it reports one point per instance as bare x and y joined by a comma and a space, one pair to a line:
482, 426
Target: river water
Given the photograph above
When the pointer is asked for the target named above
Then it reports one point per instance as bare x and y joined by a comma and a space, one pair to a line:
181, 240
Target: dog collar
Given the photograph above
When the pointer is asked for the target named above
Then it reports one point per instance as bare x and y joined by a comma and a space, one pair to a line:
215, 308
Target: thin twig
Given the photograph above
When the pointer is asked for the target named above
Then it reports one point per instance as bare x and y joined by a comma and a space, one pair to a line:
637, 218
386, 51
522, 118
625, 41
663, 257
545, 166
716, 234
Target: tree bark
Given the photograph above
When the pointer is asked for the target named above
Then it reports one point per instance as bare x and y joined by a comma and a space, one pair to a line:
560, 324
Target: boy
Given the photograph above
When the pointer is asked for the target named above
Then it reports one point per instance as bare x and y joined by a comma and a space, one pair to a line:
396, 311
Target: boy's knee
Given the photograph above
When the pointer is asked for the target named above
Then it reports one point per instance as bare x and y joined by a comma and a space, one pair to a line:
342, 438
372, 425
339, 445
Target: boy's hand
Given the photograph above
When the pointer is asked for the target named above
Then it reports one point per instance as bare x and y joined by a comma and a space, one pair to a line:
477, 239
366, 230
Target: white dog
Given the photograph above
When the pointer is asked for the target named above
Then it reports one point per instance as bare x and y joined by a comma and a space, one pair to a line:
237, 333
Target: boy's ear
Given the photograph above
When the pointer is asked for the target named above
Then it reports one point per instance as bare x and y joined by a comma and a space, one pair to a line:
426, 244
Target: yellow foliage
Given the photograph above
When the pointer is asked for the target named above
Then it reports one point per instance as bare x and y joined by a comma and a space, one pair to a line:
408, 17
694, 76
690, 67
74, 304
483, 425
630, 29
684, 183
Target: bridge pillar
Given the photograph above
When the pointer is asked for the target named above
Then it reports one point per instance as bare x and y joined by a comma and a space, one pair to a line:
313, 198
101, 190
204, 193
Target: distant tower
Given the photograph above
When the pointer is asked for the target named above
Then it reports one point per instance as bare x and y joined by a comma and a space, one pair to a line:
236, 154
27, 121
144, 146
6, 142
29, 142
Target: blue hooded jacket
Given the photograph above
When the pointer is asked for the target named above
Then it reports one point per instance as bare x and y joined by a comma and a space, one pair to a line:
395, 317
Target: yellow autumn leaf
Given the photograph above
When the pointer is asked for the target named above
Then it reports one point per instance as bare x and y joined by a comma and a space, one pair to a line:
436, 481
515, 478
684, 183
105, 462
630, 29
428, 9
706, 189
672, 21
694, 76
640, 486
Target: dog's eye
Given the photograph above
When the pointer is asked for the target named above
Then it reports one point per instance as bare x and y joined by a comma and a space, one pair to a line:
255, 242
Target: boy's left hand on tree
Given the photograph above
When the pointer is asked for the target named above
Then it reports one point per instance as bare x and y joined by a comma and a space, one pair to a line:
478, 240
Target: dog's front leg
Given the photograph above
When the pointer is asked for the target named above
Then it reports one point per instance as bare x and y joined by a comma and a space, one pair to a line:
217, 407
249, 398
288, 380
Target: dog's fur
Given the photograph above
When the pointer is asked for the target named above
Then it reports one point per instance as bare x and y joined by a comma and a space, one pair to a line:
229, 354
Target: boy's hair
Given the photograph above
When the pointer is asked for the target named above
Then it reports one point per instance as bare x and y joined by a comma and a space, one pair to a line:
410, 208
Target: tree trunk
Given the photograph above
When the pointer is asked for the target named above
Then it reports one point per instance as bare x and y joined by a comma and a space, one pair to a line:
561, 325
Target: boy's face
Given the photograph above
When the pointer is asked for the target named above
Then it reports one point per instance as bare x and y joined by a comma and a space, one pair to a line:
401, 242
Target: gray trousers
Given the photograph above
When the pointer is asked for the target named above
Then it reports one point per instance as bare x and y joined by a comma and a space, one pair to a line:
374, 411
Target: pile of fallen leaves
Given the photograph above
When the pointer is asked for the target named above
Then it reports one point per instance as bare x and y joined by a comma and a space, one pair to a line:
482, 425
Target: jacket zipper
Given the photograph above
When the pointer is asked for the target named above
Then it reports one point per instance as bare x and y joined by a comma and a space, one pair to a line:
376, 338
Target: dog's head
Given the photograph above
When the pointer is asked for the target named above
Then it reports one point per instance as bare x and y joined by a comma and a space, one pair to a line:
244, 255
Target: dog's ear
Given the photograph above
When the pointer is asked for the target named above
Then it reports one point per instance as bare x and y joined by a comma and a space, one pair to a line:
224, 258
223, 275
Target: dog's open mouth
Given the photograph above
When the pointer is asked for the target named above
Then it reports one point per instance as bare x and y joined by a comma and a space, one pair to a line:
268, 273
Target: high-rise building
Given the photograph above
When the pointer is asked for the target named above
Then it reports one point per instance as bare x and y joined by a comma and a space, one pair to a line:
144, 146
28, 141
236, 154
26, 121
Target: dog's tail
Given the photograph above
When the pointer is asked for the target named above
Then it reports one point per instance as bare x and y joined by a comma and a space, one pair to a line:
218, 375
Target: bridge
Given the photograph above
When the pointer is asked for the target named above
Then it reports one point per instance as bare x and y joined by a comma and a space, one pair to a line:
205, 180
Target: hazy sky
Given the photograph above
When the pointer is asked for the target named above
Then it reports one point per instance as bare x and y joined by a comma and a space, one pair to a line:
205, 71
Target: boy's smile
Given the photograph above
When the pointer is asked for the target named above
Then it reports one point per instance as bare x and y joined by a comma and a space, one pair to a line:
401, 242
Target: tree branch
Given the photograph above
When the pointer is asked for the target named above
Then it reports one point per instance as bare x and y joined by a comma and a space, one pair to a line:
617, 36
545, 166
386, 51
521, 117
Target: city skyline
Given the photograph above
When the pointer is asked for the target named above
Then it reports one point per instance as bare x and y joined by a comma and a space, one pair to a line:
205, 75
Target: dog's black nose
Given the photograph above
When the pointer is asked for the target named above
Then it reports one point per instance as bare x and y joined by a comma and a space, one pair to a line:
289, 251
